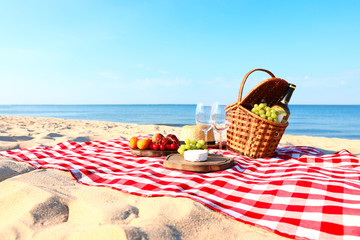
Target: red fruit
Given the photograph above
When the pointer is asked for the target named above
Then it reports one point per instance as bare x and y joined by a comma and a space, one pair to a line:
174, 146
168, 146
151, 146
143, 143
157, 136
173, 138
170, 135
156, 146
162, 147
165, 141
133, 142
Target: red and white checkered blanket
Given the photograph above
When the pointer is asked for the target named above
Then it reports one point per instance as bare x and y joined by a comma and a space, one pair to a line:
300, 193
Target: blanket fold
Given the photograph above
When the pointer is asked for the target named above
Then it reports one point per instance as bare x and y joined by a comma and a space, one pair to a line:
299, 193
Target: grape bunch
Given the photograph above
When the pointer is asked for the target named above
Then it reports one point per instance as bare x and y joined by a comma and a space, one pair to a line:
264, 111
191, 145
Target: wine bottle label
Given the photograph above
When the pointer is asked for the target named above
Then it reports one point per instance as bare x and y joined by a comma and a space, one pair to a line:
281, 114
280, 118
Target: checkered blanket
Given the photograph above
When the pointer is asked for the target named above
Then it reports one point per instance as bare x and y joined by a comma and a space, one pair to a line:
300, 193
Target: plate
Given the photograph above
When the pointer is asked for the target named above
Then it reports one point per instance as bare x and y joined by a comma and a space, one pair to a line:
214, 163
151, 153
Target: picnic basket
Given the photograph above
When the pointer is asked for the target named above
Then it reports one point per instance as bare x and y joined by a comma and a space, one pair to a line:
250, 134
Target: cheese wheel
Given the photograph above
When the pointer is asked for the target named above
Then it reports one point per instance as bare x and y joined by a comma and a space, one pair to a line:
196, 155
193, 132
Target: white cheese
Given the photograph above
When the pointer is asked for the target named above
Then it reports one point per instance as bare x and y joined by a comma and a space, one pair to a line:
196, 155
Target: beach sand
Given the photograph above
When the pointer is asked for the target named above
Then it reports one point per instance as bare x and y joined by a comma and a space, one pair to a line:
50, 204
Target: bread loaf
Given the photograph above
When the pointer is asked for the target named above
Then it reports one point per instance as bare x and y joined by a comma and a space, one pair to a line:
193, 132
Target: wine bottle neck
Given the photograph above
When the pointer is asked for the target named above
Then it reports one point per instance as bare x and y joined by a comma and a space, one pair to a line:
288, 94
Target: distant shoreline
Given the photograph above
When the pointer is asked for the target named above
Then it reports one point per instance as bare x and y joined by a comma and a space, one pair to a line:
152, 104
25, 132
332, 121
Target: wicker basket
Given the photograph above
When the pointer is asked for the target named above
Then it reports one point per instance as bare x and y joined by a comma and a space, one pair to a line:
250, 134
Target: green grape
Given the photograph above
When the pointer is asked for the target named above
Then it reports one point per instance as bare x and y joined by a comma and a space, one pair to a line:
257, 112
269, 118
273, 115
263, 115
253, 110
268, 114
256, 105
191, 145
181, 150
275, 120
268, 109
273, 111
262, 105
262, 111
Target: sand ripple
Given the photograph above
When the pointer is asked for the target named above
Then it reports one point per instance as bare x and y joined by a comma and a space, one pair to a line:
50, 204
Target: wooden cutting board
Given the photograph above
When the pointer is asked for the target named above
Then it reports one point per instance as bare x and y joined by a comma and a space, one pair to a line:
151, 153
212, 164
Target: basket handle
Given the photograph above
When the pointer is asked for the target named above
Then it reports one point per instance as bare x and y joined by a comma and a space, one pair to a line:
246, 76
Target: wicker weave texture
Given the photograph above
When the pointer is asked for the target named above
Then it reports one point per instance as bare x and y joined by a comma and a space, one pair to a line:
270, 91
250, 134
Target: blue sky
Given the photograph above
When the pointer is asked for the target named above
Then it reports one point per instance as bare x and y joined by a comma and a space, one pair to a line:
132, 52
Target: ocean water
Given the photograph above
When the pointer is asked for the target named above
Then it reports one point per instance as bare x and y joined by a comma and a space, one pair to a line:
341, 121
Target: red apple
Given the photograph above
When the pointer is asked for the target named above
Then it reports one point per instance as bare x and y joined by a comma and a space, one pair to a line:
173, 138
157, 137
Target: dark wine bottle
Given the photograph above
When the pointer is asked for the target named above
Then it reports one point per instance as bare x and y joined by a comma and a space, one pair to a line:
282, 107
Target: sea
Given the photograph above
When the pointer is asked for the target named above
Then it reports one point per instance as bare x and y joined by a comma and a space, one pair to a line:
333, 121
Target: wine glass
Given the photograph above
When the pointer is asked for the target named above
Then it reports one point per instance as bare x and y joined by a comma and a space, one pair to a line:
218, 119
203, 118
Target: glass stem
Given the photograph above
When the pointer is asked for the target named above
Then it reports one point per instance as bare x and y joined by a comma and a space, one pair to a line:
205, 138
220, 141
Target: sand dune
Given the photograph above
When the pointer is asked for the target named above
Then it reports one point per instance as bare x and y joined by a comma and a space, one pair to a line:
50, 204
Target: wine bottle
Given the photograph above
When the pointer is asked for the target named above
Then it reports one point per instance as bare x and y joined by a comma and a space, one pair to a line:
282, 107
